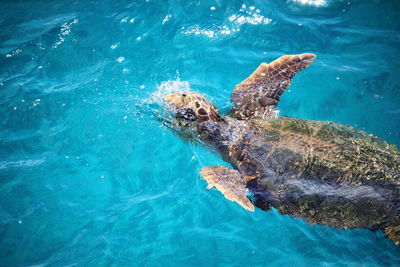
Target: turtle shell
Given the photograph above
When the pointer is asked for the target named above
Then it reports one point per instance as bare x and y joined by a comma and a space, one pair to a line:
324, 172
333, 151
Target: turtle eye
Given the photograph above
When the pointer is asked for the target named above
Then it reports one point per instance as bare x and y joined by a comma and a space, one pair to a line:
184, 95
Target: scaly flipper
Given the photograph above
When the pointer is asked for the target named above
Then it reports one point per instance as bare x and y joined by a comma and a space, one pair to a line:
259, 94
229, 182
393, 233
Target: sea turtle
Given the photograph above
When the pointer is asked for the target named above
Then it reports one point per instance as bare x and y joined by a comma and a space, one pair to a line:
323, 172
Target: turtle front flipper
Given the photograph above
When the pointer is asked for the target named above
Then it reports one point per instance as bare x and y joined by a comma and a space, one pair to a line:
229, 182
259, 94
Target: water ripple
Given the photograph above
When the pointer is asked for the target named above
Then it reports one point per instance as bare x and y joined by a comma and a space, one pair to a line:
89, 176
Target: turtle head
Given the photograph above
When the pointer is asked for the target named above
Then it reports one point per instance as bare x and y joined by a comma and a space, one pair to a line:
191, 108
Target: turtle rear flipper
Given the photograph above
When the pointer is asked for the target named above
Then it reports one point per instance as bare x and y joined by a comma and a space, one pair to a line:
229, 182
259, 94
393, 233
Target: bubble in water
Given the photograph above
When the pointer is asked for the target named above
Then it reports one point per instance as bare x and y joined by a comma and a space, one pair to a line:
66, 29
167, 18
167, 88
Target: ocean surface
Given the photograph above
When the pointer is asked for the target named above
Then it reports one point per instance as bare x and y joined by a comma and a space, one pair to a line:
90, 177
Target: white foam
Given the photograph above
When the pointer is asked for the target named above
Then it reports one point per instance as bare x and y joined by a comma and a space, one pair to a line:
65, 30
20, 163
120, 59
211, 32
167, 18
249, 15
167, 88
245, 15
14, 52
316, 3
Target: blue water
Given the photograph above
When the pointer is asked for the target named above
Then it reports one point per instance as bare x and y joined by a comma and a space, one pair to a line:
89, 177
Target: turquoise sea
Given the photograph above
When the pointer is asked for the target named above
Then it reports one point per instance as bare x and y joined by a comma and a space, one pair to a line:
89, 176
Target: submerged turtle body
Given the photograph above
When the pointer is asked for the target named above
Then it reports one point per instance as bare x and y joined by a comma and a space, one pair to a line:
324, 172
321, 172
